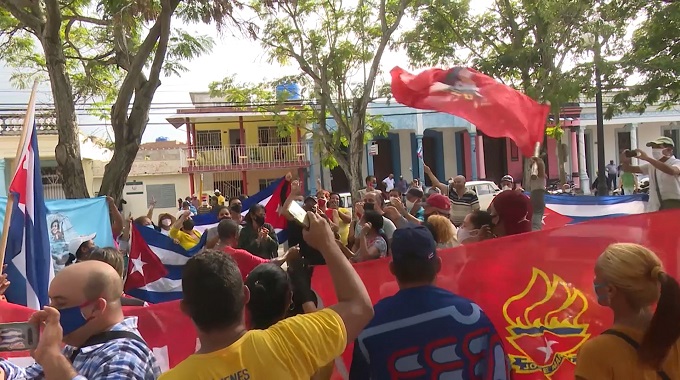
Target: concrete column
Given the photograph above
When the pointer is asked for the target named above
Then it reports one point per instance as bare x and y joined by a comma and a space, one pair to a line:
3, 176
369, 159
634, 140
582, 171
311, 172
419, 148
573, 155
473, 155
481, 167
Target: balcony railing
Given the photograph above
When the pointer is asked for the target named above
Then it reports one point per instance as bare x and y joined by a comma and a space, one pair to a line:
245, 157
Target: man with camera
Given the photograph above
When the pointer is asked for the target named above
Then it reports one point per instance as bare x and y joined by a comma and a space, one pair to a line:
663, 170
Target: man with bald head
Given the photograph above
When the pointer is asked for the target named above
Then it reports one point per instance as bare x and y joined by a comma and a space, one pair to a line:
463, 201
85, 313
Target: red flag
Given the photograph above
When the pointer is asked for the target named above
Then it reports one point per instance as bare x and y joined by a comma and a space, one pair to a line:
553, 219
494, 108
273, 212
144, 266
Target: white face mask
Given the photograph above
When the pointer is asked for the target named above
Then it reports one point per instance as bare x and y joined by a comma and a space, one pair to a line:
657, 154
166, 222
409, 205
464, 234
506, 187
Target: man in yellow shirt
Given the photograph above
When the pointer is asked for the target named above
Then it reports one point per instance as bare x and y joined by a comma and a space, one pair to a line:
294, 348
184, 233
220, 198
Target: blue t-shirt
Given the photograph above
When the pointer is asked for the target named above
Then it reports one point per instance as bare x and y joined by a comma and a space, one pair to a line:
426, 332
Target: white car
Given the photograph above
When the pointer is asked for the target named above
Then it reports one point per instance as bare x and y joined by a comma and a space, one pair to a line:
486, 191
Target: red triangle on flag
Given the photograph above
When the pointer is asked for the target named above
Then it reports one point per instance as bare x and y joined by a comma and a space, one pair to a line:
144, 266
553, 219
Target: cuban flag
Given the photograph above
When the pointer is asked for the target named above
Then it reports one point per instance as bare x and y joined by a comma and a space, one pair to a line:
155, 265
419, 153
272, 198
567, 209
29, 262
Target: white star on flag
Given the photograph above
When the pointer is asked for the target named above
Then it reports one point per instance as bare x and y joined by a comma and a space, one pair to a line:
547, 349
138, 266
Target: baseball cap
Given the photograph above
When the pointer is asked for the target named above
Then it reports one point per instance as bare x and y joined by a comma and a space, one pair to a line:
217, 191
439, 201
413, 241
75, 243
508, 178
663, 140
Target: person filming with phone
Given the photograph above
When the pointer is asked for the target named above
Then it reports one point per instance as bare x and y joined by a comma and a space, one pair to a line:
663, 170
85, 313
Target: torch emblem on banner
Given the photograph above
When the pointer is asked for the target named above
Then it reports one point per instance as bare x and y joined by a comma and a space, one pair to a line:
545, 325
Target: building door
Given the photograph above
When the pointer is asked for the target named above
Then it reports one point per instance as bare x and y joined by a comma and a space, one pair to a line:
430, 159
588, 139
382, 163
339, 181
623, 142
495, 158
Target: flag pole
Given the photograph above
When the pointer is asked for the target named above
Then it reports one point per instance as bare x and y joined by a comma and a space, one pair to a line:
10, 197
534, 166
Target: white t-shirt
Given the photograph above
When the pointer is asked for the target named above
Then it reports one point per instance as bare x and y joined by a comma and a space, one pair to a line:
389, 184
669, 185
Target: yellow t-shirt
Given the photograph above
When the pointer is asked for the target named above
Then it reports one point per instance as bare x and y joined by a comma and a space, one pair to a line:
292, 349
608, 357
185, 240
220, 200
343, 229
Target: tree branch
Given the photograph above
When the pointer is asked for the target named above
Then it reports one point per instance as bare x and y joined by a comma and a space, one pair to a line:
16, 8
85, 19
53, 23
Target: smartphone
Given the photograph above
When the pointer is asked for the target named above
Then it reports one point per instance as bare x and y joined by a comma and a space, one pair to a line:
299, 214
18, 336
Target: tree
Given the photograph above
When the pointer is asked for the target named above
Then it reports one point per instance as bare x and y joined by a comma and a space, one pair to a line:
529, 45
98, 51
653, 56
333, 43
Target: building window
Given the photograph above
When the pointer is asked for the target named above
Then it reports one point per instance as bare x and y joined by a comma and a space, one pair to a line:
514, 151
165, 195
264, 183
228, 183
209, 139
52, 183
270, 135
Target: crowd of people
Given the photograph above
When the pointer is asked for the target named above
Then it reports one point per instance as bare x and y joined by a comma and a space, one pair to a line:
257, 316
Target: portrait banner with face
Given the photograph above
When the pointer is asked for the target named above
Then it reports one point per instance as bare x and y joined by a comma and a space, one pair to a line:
536, 288
69, 219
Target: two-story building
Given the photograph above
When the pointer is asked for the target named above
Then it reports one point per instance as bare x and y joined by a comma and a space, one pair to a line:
236, 151
11, 124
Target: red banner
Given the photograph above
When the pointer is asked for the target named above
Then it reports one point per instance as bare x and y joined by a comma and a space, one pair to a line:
541, 282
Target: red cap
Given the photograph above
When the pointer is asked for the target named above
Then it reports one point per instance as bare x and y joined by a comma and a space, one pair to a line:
439, 201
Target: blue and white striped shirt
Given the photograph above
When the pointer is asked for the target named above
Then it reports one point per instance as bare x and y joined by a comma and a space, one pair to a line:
113, 360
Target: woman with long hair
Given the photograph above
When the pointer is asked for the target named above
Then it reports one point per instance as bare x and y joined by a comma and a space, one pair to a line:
276, 295
443, 231
258, 237
643, 341
372, 239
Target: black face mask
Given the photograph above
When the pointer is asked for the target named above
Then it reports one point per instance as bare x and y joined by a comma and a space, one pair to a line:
259, 220
369, 206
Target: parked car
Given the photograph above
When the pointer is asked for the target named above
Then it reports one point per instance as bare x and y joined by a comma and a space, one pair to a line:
486, 191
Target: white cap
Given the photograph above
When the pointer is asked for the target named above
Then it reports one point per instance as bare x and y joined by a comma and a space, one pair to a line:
216, 191
75, 243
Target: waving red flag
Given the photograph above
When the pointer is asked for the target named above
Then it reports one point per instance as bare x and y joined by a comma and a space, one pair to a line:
494, 108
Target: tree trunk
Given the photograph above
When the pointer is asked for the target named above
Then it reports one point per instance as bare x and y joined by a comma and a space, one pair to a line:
67, 151
117, 170
562, 161
356, 156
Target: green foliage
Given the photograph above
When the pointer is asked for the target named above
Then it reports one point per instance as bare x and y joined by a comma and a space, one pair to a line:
333, 43
653, 55
99, 39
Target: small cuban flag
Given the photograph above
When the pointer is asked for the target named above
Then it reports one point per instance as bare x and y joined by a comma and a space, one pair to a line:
420, 152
